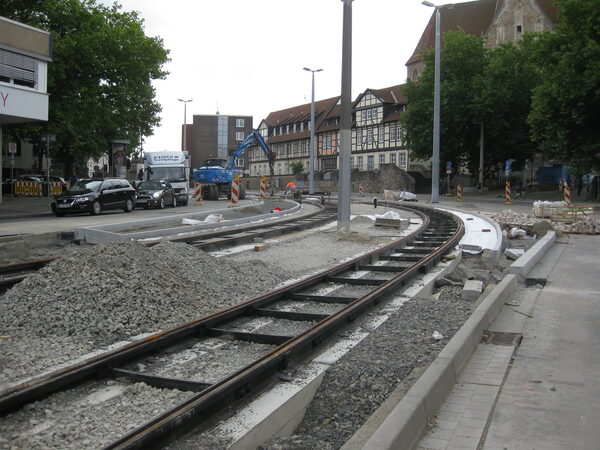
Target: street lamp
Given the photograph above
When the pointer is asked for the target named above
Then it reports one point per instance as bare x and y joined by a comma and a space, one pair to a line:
435, 166
311, 160
185, 102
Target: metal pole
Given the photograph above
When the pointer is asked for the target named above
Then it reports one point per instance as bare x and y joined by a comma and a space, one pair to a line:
481, 158
1, 174
435, 166
311, 160
48, 165
343, 223
185, 102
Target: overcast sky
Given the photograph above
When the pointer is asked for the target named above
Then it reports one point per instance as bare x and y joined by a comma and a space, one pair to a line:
242, 57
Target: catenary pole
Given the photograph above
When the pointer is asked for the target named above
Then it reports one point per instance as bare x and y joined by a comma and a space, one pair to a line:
343, 223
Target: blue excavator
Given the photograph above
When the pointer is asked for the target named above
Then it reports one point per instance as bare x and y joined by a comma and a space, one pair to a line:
216, 175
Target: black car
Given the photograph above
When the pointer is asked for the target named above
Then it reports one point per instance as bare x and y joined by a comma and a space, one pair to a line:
95, 196
155, 194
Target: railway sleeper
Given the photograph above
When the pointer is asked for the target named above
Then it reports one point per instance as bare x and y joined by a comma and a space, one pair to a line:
160, 382
321, 298
257, 338
290, 315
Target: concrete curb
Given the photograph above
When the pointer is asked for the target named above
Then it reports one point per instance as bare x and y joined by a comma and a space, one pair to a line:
403, 427
522, 266
121, 231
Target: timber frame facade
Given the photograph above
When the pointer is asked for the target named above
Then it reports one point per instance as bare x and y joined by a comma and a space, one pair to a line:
376, 135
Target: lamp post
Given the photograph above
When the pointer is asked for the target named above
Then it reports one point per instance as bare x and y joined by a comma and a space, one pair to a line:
185, 102
311, 159
435, 166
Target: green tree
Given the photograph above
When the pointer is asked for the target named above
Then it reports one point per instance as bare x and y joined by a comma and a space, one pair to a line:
564, 115
463, 60
297, 167
503, 101
100, 78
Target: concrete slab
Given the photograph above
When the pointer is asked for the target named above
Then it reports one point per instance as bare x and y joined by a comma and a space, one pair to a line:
472, 289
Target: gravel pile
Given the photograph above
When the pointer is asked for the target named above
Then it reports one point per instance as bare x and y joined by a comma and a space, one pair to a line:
103, 294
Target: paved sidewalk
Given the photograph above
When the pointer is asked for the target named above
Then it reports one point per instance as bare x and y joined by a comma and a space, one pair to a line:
548, 396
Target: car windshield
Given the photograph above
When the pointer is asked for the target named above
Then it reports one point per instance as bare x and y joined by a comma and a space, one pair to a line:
168, 173
83, 186
149, 186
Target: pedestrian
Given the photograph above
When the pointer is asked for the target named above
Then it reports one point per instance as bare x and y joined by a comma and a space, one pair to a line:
141, 175
374, 202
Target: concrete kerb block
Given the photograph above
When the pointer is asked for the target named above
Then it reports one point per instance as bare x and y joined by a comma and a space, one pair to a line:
522, 266
493, 303
402, 428
465, 341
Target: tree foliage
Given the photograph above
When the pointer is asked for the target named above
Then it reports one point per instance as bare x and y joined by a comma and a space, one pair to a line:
565, 107
462, 63
100, 77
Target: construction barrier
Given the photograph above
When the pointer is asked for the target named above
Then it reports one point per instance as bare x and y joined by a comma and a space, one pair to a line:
235, 190
459, 193
507, 199
55, 188
360, 189
197, 194
263, 188
29, 188
567, 194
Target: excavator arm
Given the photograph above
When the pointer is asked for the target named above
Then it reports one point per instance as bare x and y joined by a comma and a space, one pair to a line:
253, 138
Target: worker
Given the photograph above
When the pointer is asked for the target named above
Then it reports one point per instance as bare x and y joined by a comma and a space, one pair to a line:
141, 175
374, 202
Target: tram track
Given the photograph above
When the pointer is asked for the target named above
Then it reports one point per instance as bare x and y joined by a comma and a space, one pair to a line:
372, 276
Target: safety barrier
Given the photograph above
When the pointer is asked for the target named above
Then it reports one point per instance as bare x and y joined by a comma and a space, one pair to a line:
507, 199
235, 190
197, 194
360, 189
263, 188
29, 188
459, 193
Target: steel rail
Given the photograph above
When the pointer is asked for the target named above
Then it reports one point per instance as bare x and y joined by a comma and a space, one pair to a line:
247, 379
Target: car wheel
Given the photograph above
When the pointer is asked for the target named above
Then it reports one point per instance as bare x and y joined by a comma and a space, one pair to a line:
96, 209
161, 204
174, 203
128, 206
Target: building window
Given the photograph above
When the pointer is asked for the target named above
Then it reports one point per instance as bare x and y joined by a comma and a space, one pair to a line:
239, 162
351, 162
370, 162
402, 159
369, 136
239, 135
393, 132
382, 159
359, 162
327, 142
239, 123
18, 69
301, 126
359, 137
392, 158
381, 136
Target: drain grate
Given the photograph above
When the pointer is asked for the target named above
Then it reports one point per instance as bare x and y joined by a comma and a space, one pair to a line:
502, 338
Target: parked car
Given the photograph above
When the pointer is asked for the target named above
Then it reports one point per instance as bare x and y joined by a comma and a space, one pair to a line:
7, 185
95, 196
155, 194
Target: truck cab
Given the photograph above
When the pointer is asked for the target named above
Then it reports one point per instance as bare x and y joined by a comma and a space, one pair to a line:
172, 167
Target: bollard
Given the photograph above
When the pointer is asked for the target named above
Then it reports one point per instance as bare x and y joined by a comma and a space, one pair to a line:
263, 188
235, 190
459, 193
507, 199
567, 194
360, 189
197, 194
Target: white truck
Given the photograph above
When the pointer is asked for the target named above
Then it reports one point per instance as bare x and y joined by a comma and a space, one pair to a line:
173, 167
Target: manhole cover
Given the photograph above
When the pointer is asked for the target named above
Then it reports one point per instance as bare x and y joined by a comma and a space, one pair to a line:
501, 338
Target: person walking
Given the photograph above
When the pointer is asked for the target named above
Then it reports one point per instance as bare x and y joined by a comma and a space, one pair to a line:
141, 175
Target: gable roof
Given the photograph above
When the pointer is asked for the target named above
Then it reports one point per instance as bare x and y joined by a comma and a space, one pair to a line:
473, 18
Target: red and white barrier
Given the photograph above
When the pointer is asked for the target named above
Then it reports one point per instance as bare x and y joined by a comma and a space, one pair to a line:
459, 193
360, 189
235, 190
27, 188
263, 188
567, 194
507, 199
197, 194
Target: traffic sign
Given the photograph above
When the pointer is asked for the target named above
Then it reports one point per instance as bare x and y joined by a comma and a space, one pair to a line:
449, 167
12, 147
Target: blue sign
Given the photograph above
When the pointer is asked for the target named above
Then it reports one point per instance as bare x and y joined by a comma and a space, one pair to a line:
449, 167
507, 170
